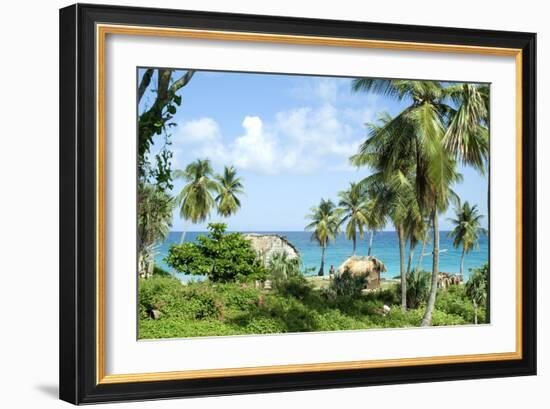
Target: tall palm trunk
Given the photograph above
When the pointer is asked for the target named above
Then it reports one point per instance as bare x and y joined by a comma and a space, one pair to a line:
370, 242
475, 312
411, 255
182, 238
354, 239
402, 268
427, 320
488, 285
321, 270
421, 255
462, 262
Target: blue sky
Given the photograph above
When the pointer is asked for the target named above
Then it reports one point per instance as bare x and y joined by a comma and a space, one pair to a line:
290, 138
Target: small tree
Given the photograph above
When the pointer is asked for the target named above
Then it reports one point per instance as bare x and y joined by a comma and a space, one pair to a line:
281, 267
476, 287
348, 285
418, 288
154, 221
222, 257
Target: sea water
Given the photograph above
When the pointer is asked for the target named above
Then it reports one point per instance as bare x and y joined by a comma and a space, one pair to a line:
384, 247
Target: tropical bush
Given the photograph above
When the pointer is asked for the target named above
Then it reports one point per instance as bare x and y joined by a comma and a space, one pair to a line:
476, 289
159, 271
346, 284
280, 267
215, 309
418, 288
222, 257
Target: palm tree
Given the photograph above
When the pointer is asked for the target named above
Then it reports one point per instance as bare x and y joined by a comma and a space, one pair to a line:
467, 136
416, 133
392, 183
393, 196
154, 220
281, 267
229, 186
418, 287
467, 230
425, 240
476, 289
195, 199
324, 223
415, 229
376, 219
437, 199
354, 210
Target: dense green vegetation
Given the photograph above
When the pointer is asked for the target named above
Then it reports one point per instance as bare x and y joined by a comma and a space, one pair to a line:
208, 308
412, 160
221, 257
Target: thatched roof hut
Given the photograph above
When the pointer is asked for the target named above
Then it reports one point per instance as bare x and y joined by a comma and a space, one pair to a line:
369, 266
268, 244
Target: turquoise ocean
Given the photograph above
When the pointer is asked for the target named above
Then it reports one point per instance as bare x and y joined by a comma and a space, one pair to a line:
385, 247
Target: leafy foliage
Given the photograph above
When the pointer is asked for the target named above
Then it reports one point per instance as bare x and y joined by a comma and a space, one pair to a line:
154, 120
476, 288
221, 257
418, 288
216, 309
280, 267
346, 284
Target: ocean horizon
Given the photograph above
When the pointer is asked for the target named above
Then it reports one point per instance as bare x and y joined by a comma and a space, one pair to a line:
385, 248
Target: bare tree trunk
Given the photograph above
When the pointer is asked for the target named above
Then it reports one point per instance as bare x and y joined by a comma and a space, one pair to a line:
488, 300
462, 263
475, 312
411, 255
321, 270
427, 320
402, 268
370, 242
421, 255
354, 239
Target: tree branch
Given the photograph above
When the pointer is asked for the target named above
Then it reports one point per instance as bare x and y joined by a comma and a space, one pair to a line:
182, 82
144, 83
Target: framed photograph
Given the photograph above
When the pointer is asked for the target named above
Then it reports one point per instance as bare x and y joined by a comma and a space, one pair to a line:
257, 203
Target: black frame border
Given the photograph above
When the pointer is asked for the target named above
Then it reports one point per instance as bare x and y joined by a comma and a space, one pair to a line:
78, 197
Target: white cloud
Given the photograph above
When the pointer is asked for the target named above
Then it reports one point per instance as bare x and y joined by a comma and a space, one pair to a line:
197, 131
322, 132
255, 149
317, 90
300, 140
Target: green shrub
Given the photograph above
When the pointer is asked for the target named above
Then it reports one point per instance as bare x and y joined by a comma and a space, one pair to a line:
334, 320
418, 288
265, 325
346, 284
389, 296
160, 293
294, 286
202, 303
280, 267
216, 309
237, 296
219, 256
160, 272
